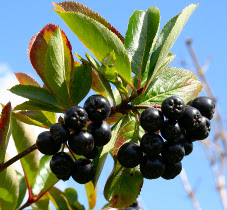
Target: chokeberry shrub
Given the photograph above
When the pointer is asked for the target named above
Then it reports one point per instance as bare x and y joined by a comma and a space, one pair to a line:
137, 114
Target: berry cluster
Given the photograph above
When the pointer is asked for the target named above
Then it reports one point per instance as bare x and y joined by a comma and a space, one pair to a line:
81, 142
183, 125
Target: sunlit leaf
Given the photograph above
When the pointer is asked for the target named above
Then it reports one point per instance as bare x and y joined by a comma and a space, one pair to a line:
25, 79
91, 194
22, 188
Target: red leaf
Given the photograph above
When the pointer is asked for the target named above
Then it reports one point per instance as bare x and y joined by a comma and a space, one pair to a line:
25, 79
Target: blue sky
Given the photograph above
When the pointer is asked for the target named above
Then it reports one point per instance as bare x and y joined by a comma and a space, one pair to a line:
20, 20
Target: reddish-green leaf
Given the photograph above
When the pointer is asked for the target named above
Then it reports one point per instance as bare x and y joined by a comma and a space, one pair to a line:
24, 138
91, 194
25, 79
114, 118
123, 186
5, 130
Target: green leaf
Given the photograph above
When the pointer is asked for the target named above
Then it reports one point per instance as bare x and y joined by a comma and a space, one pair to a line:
24, 138
98, 39
171, 82
72, 197
5, 130
91, 194
81, 83
22, 189
25, 79
140, 38
31, 105
123, 186
167, 38
42, 203
44, 179
58, 64
9, 188
36, 94
58, 199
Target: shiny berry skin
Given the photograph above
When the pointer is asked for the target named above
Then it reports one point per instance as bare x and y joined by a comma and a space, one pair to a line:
46, 145
92, 154
173, 107
97, 107
171, 130
59, 133
83, 171
187, 144
101, 132
75, 117
191, 119
173, 152
61, 164
81, 142
152, 144
172, 170
151, 120
129, 155
205, 105
202, 132
152, 167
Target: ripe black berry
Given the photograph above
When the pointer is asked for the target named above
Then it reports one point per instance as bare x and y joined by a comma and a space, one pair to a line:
172, 170
75, 117
173, 107
81, 142
173, 152
59, 133
46, 144
187, 144
129, 155
83, 171
152, 167
151, 144
101, 132
171, 130
191, 119
202, 132
97, 107
151, 120
205, 105
61, 165
92, 154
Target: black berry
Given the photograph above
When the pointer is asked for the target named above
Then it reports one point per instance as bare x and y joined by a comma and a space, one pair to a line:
59, 133
46, 144
191, 119
83, 171
152, 144
205, 105
97, 107
172, 170
81, 142
152, 167
75, 117
171, 130
202, 132
101, 132
151, 120
129, 155
61, 165
187, 144
173, 107
173, 152
92, 154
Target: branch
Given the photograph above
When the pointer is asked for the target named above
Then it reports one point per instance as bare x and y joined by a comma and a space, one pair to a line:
17, 157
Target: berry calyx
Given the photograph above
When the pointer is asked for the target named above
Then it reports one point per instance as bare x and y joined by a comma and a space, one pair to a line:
81, 142
75, 117
152, 144
101, 132
205, 105
61, 165
172, 170
129, 155
83, 171
173, 107
152, 167
97, 107
151, 120
46, 145
59, 133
